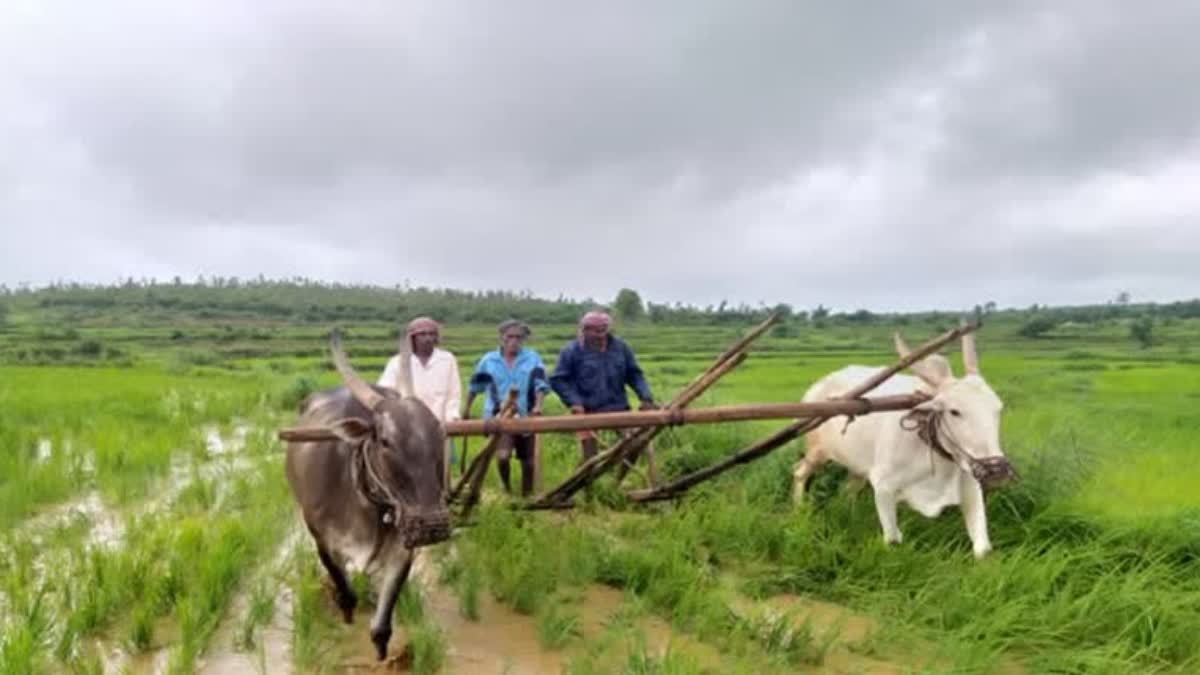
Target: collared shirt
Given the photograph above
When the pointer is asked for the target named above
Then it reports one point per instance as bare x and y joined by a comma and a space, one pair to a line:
436, 383
596, 379
494, 377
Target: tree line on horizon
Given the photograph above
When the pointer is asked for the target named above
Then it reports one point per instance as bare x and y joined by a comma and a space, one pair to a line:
314, 301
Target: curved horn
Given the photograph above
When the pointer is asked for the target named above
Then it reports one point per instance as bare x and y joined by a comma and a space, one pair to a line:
361, 390
970, 358
933, 369
404, 383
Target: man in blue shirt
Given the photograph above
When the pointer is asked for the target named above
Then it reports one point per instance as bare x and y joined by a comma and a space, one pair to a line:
592, 373
512, 366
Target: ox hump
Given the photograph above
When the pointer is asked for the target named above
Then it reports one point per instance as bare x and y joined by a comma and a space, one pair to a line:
845, 379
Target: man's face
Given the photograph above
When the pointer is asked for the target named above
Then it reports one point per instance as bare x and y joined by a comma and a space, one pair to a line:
424, 341
595, 336
512, 340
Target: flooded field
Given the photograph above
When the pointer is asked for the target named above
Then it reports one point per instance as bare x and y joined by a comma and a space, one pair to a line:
146, 527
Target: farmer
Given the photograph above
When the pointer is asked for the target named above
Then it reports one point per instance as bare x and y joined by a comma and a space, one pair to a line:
511, 366
434, 372
592, 373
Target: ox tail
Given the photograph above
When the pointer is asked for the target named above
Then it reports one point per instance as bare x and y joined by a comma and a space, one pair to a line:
404, 383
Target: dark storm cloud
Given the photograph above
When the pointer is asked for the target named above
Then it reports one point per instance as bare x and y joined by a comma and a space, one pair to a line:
858, 154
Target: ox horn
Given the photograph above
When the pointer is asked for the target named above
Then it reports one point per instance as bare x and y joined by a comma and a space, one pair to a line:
405, 382
361, 390
970, 357
901, 347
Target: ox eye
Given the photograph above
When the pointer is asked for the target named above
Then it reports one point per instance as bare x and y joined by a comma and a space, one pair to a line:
955, 412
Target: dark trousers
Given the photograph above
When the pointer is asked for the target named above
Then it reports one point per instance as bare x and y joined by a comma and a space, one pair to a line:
523, 445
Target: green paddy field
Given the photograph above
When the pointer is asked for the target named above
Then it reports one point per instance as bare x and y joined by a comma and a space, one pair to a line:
145, 524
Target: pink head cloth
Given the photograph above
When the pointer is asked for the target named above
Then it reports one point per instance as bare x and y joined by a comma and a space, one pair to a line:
595, 319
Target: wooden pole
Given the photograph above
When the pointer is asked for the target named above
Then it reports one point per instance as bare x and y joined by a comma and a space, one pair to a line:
737, 351
642, 438
592, 469
713, 415
625, 450
734, 350
479, 468
693, 390
537, 463
783, 436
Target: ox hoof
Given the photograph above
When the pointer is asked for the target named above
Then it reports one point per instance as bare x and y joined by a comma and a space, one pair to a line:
347, 603
981, 553
380, 637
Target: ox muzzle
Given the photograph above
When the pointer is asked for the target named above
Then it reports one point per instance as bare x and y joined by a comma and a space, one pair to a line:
425, 529
993, 472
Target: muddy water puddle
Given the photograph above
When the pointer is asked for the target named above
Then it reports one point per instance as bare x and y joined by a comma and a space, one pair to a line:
609, 631
90, 521
503, 641
271, 650
216, 444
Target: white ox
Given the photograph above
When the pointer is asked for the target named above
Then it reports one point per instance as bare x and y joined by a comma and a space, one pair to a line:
943, 453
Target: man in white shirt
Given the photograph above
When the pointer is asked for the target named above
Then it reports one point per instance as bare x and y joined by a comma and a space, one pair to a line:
435, 374
435, 370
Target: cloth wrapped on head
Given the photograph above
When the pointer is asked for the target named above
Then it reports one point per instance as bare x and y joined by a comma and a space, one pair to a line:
423, 324
595, 319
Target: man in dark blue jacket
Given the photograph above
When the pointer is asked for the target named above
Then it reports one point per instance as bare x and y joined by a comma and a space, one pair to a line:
592, 373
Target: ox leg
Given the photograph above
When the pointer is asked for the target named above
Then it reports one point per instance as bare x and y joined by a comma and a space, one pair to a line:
342, 592
814, 458
975, 515
885, 506
381, 623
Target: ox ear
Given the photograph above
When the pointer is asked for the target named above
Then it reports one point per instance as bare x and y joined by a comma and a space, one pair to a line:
351, 429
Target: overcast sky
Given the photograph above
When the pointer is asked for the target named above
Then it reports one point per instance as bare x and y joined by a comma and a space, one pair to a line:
885, 155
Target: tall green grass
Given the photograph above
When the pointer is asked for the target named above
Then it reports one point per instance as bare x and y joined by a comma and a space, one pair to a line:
1094, 568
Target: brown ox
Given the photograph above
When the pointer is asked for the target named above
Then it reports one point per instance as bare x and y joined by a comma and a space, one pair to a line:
373, 497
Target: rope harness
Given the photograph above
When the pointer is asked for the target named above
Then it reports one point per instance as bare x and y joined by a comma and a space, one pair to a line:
372, 480
931, 429
366, 473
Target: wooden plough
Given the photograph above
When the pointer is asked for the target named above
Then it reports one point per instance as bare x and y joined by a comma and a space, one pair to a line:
647, 424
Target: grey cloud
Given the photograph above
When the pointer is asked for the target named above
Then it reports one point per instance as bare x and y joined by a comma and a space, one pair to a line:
1080, 87
856, 154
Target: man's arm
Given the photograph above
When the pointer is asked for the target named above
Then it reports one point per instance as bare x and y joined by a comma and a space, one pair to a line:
563, 380
540, 385
454, 392
475, 386
634, 377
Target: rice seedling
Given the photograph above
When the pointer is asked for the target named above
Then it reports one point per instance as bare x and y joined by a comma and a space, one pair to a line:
259, 612
427, 643
120, 524
557, 625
